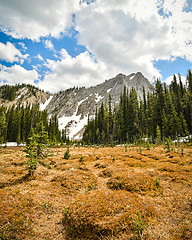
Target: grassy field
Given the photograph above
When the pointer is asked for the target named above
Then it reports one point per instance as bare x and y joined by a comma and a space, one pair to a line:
98, 193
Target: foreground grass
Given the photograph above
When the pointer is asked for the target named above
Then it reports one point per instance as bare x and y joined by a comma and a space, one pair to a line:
98, 193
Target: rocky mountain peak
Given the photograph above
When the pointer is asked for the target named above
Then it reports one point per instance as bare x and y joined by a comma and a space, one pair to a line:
74, 105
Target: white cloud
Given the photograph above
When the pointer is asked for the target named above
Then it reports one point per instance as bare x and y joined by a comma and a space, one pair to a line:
124, 37
49, 45
132, 34
22, 45
170, 79
17, 74
180, 23
10, 53
33, 19
73, 71
40, 57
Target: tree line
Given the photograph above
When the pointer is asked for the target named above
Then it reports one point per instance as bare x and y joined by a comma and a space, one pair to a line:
17, 122
166, 113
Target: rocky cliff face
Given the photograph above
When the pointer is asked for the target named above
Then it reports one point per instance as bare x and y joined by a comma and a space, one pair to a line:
73, 106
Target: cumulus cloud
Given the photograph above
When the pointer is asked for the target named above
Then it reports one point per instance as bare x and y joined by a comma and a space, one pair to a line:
17, 74
69, 71
170, 79
34, 19
10, 53
125, 37
130, 35
180, 23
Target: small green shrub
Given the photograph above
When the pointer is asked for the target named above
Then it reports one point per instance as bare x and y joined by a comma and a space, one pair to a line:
67, 154
81, 159
147, 145
168, 144
140, 150
139, 225
125, 147
157, 182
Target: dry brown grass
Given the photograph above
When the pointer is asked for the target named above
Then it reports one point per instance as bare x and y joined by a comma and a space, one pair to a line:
108, 194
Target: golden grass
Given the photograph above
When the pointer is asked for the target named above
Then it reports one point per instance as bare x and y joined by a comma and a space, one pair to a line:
15, 217
98, 193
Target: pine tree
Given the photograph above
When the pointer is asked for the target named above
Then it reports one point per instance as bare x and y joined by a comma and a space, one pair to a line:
35, 147
189, 81
3, 125
166, 113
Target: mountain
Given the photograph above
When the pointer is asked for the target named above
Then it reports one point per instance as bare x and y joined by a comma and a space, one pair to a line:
74, 105
22, 95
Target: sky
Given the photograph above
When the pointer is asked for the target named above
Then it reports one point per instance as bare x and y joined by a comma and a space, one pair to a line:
56, 45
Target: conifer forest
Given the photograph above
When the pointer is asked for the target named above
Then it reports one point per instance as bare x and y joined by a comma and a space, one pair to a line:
166, 113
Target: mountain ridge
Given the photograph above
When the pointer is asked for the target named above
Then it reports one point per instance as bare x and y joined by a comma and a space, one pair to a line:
74, 105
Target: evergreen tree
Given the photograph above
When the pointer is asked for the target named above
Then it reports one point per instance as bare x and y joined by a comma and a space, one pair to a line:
36, 147
166, 113
3, 125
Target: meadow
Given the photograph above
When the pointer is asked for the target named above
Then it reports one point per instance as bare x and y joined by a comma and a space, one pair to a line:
109, 193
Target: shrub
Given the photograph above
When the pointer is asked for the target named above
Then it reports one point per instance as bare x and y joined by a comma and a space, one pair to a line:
139, 225
157, 182
125, 147
67, 154
81, 159
147, 145
168, 144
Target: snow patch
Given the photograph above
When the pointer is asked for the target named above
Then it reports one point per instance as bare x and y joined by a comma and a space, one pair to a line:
74, 122
132, 77
44, 105
109, 90
183, 139
79, 103
22, 93
98, 98
12, 144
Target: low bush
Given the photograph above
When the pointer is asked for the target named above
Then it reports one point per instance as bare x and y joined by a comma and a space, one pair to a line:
67, 154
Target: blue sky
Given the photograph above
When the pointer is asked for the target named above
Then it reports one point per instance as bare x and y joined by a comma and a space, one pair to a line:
58, 45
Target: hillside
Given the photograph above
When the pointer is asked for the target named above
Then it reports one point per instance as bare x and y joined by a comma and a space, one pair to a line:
22, 95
